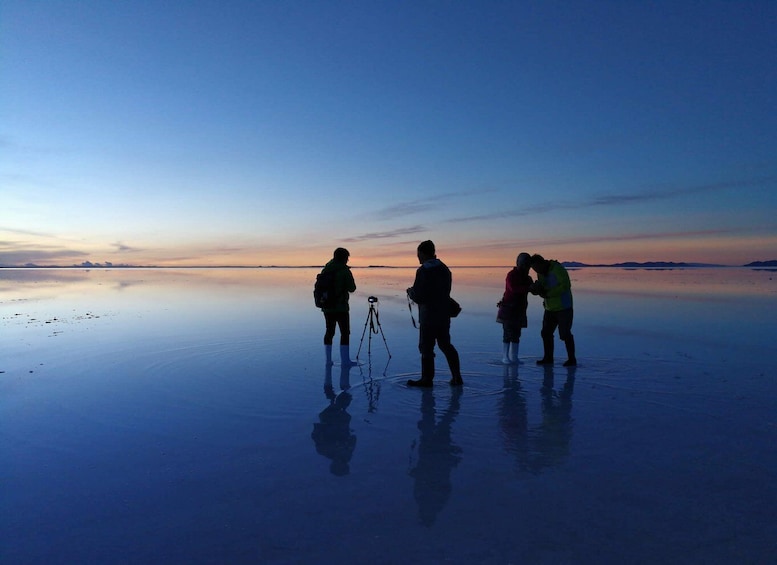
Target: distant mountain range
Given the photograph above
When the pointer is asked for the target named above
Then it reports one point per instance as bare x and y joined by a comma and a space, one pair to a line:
646, 265
665, 265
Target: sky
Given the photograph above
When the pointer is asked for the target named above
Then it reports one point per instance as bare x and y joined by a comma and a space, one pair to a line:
183, 133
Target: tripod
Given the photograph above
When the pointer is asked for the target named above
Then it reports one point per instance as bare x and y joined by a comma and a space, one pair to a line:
373, 319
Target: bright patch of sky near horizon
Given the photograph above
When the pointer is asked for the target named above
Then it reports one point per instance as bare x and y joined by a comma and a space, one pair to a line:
256, 133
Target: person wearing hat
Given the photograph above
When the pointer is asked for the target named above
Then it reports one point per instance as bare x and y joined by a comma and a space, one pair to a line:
512, 308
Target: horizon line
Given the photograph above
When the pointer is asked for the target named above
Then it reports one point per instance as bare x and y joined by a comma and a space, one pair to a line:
568, 264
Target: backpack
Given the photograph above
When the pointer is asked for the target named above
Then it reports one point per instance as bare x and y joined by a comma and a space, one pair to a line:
324, 290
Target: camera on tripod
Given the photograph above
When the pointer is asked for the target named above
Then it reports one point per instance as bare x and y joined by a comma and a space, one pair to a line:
373, 321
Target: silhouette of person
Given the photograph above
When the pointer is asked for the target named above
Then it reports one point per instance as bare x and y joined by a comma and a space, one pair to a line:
512, 308
431, 290
332, 435
338, 314
554, 286
437, 457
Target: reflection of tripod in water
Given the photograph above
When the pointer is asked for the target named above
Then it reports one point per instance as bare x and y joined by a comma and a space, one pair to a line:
373, 319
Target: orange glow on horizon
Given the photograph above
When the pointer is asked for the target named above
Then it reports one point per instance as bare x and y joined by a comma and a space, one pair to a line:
714, 250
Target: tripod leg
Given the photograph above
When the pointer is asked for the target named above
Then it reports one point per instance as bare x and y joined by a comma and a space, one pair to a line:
373, 317
377, 319
384, 339
363, 332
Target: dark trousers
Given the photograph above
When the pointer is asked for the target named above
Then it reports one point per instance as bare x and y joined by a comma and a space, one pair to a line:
341, 319
511, 331
440, 334
561, 320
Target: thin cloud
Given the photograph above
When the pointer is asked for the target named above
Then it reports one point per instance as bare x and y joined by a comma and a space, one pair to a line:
385, 234
616, 200
646, 236
25, 232
121, 248
406, 208
528, 243
403, 209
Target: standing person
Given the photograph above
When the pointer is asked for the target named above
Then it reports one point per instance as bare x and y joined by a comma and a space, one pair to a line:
512, 308
336, 312
554, 287
432, 291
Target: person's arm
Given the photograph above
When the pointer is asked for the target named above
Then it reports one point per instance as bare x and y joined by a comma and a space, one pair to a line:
417, 292
350, 283
507, 296
521, 285
538, 287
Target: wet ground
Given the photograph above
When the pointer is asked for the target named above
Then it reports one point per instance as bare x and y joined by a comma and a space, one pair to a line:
187, 416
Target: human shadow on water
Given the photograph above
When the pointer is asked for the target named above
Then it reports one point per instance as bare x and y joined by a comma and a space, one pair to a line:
514, 417
435, 456
551, 439
332, 435
545, 445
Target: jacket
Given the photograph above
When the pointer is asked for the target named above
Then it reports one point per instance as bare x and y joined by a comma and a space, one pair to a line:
515, 297
431, 290
557, 287
344, 285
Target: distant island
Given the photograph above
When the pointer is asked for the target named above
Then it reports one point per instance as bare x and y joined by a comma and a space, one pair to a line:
646, 265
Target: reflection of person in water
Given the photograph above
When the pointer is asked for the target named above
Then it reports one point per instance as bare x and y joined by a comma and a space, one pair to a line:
332, 435
549, 442
436, 456
513, 417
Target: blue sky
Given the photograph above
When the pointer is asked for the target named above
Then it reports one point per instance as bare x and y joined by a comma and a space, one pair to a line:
256, 133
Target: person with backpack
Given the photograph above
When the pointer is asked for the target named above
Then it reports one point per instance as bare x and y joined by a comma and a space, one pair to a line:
332, 290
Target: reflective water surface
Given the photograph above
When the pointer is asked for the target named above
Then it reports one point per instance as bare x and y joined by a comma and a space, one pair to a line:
188, 416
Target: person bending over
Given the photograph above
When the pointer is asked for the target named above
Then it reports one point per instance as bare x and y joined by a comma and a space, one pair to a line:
554, 286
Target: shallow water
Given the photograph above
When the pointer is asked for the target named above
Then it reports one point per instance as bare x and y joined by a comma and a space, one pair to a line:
187, 416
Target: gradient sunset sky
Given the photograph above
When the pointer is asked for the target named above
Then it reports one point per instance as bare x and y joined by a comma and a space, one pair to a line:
179, 133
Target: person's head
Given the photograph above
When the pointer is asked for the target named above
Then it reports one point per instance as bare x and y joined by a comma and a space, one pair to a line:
426, 251
341, 254
523, 261
539, 264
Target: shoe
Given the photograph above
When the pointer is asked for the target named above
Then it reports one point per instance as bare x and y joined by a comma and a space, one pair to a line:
513, 355
505, 353
456, 381
328, 353
544, 361
345, 357
419, 383
571, 359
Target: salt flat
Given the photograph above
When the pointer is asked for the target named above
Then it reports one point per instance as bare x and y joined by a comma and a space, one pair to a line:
187, 416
